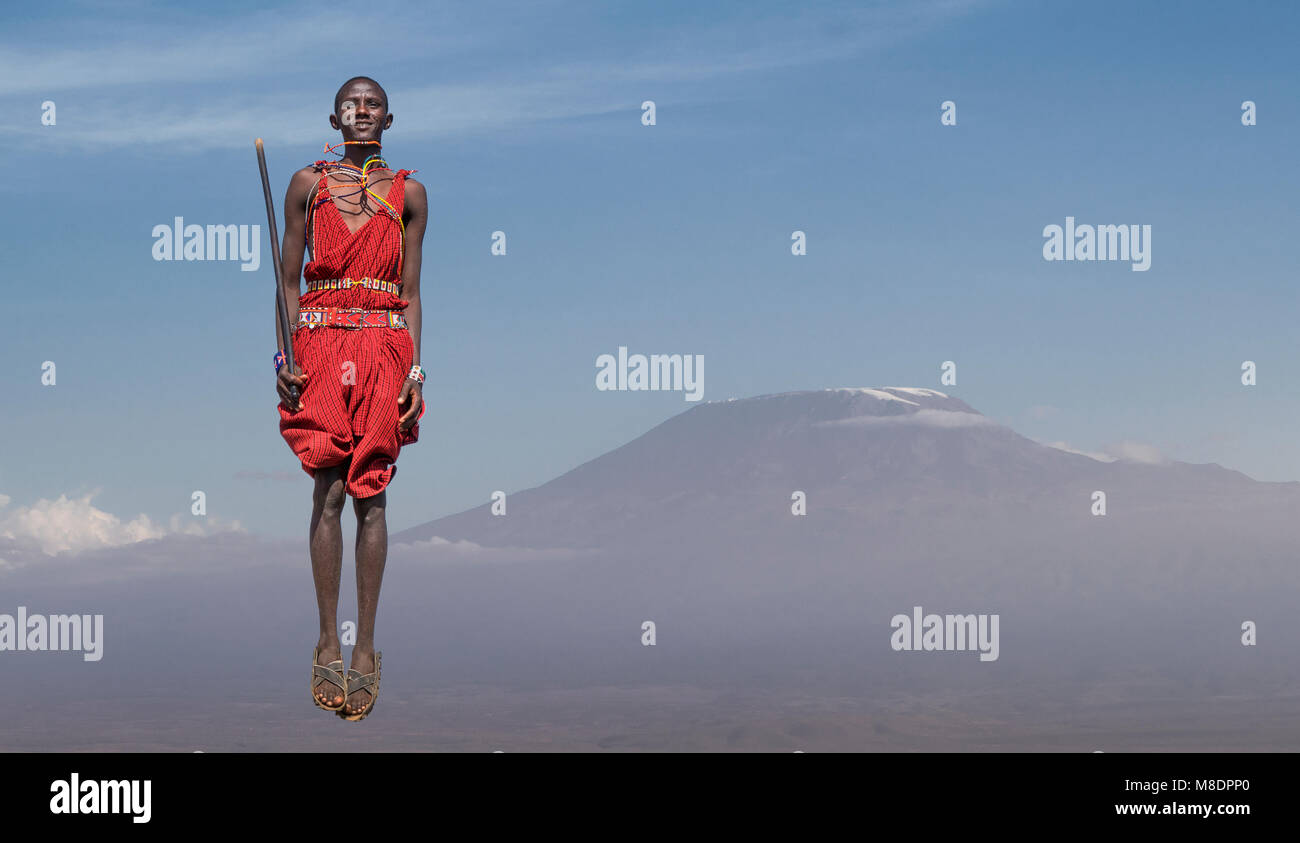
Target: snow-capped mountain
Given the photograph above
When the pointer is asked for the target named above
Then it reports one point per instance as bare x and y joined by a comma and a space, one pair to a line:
727, 471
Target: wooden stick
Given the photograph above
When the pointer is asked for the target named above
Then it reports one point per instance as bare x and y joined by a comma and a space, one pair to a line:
281, 309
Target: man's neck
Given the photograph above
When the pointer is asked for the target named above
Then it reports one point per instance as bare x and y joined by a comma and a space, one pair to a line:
357, 153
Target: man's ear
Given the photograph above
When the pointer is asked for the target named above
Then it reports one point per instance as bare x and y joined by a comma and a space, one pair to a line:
334, 122
388, 122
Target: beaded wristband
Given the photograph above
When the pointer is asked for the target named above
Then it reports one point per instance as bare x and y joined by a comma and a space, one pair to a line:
279, 361
417, 375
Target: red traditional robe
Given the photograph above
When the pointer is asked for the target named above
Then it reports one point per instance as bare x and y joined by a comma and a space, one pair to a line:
349, 404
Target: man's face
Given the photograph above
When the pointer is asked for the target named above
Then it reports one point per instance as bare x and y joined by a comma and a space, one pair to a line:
362, 112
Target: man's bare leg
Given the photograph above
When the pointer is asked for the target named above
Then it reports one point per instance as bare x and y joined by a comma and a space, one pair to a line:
326, 542
372, 553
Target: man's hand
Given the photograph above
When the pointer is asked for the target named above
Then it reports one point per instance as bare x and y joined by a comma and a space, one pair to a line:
410, 395
284, 381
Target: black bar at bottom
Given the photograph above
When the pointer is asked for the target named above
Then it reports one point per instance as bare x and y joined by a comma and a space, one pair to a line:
1011, 791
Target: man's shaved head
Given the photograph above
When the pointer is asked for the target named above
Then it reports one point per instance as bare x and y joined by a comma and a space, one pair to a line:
338, 98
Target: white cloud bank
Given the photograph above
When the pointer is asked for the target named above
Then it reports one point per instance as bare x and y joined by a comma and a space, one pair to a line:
75, 525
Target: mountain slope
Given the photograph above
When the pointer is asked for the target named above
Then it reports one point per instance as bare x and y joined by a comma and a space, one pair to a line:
723, 471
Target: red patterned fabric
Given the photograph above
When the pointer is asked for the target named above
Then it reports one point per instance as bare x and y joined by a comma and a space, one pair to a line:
350, 412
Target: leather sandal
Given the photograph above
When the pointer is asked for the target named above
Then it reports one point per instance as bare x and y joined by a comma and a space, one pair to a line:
331, 673
357, 681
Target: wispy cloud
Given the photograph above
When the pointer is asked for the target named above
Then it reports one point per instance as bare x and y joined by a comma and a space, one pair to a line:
1127, 450
107, 53
1069, 449
1136, 452
221, 82
438, 549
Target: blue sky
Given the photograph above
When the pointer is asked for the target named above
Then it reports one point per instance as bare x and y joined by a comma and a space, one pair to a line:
924, 240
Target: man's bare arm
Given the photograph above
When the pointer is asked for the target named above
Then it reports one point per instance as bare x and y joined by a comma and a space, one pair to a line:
291, 255
416, 213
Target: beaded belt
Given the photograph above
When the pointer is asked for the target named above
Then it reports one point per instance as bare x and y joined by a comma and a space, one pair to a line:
344, 283
349, 317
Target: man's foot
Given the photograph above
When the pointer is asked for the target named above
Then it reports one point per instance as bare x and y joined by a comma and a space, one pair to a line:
363, 684
328, 694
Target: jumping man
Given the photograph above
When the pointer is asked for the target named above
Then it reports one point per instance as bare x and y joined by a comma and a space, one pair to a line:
357, 352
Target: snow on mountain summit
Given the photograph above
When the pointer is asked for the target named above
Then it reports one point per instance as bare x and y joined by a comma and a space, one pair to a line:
823, 405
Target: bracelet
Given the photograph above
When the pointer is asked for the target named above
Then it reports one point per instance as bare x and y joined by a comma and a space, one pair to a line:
416, 374
279, 361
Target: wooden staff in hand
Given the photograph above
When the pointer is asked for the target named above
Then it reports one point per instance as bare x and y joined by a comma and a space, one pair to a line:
284, 337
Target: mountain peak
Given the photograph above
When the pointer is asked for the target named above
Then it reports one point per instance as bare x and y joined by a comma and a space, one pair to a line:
848, 402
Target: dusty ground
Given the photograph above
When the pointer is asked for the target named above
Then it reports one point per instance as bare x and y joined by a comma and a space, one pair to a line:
1080, 718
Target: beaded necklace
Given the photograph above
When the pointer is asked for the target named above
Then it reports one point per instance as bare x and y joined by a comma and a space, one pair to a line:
361, 175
